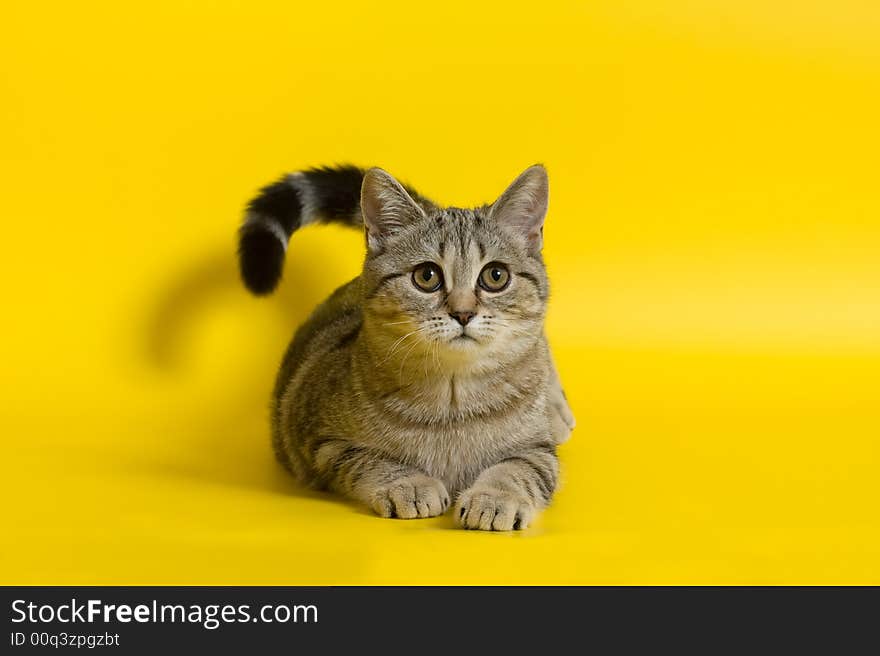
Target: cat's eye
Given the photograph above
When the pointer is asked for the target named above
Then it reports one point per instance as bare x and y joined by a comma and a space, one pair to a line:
428, 277
494, 277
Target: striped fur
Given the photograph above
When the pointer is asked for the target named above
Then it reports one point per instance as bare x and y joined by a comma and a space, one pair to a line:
405, 399
318, 195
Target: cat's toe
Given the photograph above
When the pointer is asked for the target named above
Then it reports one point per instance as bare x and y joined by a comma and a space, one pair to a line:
492, 510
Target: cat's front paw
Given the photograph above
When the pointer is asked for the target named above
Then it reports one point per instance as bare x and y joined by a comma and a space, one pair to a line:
411, 497
490, 509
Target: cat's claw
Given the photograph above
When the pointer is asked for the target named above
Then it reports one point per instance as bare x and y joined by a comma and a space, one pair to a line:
411, 497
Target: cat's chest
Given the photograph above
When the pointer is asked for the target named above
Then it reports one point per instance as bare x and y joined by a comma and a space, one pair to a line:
459, 401
455, 429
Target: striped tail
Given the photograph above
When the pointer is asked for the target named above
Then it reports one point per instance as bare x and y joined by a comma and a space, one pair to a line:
326, 195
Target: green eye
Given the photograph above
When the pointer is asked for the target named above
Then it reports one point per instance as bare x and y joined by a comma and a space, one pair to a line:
428, 277
494, 277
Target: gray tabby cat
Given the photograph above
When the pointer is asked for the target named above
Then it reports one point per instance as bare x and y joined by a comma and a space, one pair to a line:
428, 377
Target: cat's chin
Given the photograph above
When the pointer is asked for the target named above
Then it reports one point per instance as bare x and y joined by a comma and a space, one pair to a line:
463, 341
461, 351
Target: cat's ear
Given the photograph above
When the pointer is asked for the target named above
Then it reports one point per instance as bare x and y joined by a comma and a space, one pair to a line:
386, 207
523, 205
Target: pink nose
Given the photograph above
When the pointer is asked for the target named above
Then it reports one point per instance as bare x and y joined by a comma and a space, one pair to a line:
463, 317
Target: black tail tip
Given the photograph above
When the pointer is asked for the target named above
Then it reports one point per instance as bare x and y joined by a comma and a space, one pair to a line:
261, 260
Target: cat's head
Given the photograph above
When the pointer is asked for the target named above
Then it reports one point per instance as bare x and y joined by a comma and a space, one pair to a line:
449, 287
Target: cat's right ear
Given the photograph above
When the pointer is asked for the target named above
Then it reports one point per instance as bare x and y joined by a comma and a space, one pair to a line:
386, 206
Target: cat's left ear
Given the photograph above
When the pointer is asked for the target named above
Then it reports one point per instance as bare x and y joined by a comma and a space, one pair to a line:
523, 205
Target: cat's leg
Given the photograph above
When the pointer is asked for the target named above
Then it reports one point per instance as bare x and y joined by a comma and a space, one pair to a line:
390, 488
506, 496
561, 418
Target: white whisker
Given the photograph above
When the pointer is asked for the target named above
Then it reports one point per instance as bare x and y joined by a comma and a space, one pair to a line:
403, 362
400, 341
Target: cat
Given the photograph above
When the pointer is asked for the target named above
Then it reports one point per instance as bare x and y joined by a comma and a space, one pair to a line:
428, 377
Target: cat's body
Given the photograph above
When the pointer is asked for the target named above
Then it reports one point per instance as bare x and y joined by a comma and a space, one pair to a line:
428, 376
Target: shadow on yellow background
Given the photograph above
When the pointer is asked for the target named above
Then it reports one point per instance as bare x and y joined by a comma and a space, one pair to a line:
712, 242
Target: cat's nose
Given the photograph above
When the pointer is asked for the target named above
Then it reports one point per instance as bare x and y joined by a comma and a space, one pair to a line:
463, 317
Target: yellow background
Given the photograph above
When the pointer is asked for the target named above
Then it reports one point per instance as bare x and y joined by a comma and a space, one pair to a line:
713, 242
